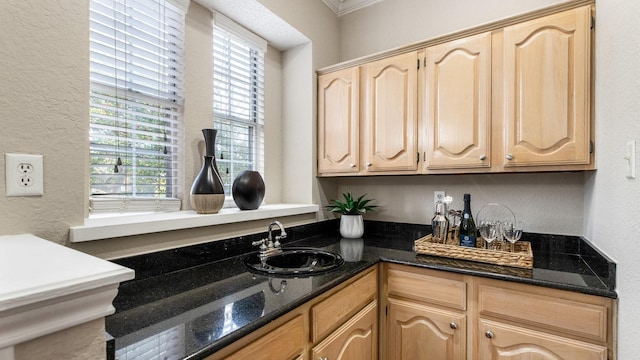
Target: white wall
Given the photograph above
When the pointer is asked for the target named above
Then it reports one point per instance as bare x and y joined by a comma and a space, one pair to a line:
612, 200
44, 107
547, 203
392, 23
272, 133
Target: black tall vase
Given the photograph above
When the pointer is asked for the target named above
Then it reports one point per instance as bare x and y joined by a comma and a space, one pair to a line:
248, 190
207, 192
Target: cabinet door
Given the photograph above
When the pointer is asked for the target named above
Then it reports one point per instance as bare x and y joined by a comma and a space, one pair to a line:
390, 114
417, 332
503, 341
547, 90
357, 339
338, 121
458, 104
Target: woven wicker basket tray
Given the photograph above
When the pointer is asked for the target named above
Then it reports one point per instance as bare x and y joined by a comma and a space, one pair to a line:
522, 257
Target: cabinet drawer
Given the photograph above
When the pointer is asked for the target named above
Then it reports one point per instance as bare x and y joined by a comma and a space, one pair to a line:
435, 287
555, 310
330, 313
285, 342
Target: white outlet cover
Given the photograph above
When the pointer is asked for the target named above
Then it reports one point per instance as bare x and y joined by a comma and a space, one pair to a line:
437, 195
15, 175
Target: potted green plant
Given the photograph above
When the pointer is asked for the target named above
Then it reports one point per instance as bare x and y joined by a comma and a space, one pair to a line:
351, 210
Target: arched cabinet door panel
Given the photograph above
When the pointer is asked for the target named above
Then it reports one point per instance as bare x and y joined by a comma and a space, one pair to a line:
499, 341
390, 118
339, 122
420, 332
458, 104
547, 87
357, 339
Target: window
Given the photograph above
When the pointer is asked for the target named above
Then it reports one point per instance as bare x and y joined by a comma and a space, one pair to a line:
136, 62
238, 99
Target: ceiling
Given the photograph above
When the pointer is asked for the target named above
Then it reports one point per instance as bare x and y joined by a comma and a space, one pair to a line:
342, 7
259, 20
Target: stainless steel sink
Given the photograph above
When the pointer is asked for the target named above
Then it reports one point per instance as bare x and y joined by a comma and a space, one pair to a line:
295, 261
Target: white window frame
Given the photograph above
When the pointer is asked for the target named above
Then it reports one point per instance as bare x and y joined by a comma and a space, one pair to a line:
137, 103
238, 99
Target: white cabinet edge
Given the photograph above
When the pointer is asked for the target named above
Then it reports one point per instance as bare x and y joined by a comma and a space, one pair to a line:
47, 287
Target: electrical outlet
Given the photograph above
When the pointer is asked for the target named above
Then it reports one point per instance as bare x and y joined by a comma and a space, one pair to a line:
25, 168
437, 196
24, 174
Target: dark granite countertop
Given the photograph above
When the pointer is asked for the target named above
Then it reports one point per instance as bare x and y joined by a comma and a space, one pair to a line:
191, 302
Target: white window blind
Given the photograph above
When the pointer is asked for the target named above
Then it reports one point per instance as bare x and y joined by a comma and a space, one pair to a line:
238, 101
136, 62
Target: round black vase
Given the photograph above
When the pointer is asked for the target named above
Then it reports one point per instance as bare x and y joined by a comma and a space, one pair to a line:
248, 190
207, 191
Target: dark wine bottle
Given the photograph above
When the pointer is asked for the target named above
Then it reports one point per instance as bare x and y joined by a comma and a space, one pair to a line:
467, 225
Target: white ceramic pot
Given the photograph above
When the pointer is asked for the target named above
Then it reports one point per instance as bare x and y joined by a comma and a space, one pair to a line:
351, 226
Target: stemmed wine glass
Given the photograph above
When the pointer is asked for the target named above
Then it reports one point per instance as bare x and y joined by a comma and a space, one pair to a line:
512, 231
489, 231
497, 214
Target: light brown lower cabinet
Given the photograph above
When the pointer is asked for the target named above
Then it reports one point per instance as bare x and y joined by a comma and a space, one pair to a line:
339, 324
356, 339
394, 312
425, 314
416, 332
431, 314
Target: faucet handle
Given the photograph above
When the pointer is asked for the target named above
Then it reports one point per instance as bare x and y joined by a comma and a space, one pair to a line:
261, 243
277, 242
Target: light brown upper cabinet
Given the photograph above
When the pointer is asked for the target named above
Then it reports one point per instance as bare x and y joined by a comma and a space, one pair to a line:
457, 110
339, 122
506, 97
389, 115
547, 85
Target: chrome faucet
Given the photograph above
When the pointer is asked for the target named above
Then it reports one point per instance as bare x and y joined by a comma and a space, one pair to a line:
283, 234
268, 246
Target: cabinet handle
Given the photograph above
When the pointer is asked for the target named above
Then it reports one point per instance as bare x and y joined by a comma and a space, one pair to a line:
488, 334
352, 165
483, 157
323, 358
509, 157
368, 164
453, 325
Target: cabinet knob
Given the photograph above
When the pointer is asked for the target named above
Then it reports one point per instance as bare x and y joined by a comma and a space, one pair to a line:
352, 165
509, 157
488, 334
453, 325
483, 157
368, 164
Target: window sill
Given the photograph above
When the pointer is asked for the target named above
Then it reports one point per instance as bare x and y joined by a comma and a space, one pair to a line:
105, 226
